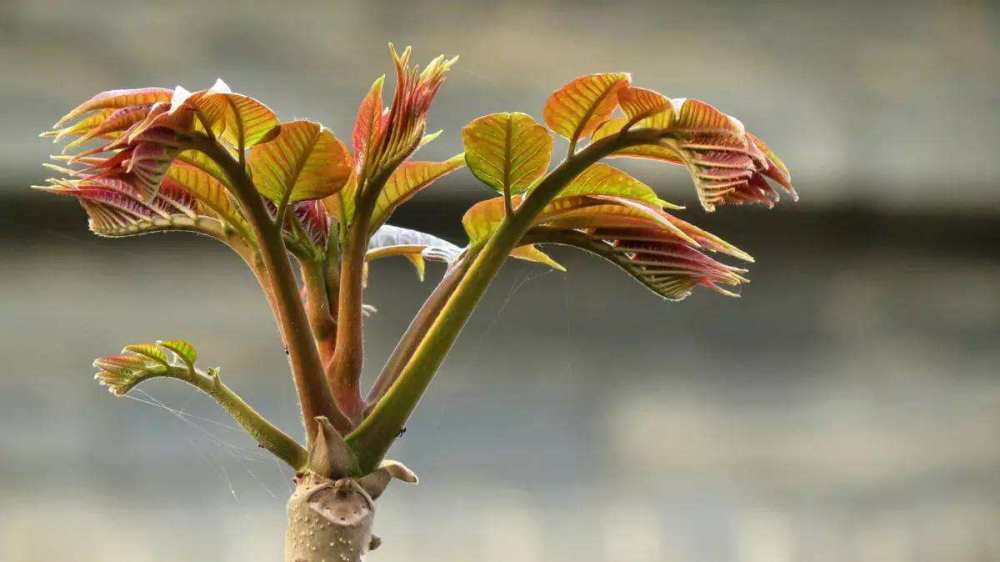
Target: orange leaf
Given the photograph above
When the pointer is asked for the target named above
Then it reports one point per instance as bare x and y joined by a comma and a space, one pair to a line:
236, 119
305, 161
368, 121
116, 99
409, 179
578, 108
640, 103
696, 116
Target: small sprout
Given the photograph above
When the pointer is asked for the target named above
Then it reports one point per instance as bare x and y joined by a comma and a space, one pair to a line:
222, 164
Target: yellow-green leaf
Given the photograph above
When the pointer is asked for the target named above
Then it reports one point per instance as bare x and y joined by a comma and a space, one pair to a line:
646, 151
507, 151
406, 181
340, 205
150, 351
187, 353
201, 161
602, 179
530, 252
483, 218
210, 193
578, 108
304, 161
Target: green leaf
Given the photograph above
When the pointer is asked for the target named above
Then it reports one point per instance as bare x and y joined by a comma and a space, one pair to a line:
184, 350
304, 161
507, 151
149, 351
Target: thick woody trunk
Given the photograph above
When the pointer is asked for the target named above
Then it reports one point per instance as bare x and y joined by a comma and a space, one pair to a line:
329, 521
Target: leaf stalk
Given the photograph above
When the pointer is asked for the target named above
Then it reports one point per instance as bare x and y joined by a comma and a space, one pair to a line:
373, 437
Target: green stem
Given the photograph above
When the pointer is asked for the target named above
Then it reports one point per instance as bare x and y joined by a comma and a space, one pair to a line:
418, 328
264, 432
375, 434
307, 369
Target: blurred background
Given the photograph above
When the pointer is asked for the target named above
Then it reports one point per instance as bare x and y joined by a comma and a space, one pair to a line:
846, 408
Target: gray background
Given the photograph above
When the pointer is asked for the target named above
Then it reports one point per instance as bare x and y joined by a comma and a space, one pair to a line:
846, 408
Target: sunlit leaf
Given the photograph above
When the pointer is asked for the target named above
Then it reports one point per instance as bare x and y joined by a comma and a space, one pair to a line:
236, 119
409, 179
188, 200
116, 99
664, 265
606, 210
640, 103
698, 117
116, 122
646, 151
507, 151
661, 251
340, 205
727, 164
204, 163
602, 179
385, 138
305, 161
211, 194
368, 122
530, 252
483, 218
81, 127
578, 108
